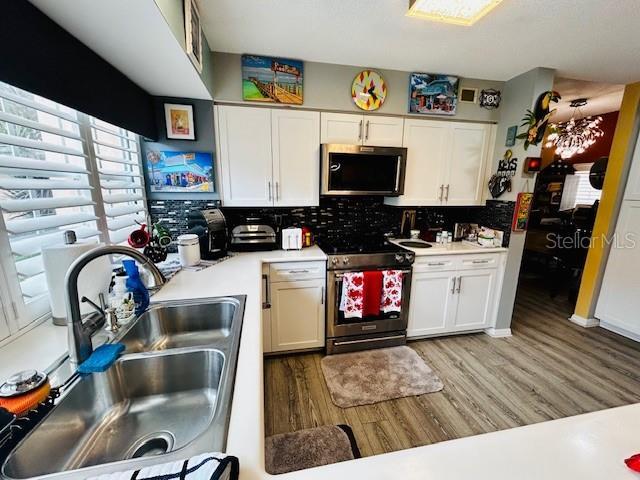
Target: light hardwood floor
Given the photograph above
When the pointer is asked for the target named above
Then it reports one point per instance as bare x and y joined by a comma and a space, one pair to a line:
548, 369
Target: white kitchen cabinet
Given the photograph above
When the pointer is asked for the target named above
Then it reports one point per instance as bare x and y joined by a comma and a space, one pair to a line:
454, 293
474, 294
244, 150
427, 144
358, 129
296, 157
465, 174
293, 306
432, 302
619, 302
268, 157
446, 163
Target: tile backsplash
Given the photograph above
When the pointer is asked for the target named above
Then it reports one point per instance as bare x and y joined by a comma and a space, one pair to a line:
336, 217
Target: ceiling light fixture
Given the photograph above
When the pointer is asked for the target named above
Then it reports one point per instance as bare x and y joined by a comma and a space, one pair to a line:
458, 12
576, 135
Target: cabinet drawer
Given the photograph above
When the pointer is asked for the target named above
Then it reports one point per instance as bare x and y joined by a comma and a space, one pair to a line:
435, 263
482, 260
292, 271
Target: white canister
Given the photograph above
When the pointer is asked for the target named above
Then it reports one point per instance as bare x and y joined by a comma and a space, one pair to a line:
189, 249
415, 234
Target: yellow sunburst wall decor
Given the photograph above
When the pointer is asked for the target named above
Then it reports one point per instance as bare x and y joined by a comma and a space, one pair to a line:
369, 90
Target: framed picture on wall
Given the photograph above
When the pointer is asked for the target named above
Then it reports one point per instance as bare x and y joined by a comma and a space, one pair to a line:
272, 80
179, 121
193, 33
433, 93
176, 172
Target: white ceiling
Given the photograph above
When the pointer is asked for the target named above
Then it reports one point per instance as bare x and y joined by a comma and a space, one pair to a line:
134, 37
586, 39
601, 97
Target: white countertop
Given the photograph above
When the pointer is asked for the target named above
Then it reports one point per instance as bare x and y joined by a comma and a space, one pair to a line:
589, 447
452, 248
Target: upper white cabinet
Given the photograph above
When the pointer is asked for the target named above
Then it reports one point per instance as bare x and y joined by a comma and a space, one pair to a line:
244, 150
446, 163
268, 157
358, 129
296, 156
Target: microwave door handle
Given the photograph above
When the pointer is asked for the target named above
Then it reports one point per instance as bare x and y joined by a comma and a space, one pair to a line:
398, 174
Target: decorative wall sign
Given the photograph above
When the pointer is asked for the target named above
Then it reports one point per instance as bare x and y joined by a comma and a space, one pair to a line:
521, 213
511, 136
193, 31
180, 172
368, 90
179, 121
436, 94
507, 165
272, 80
490, 98
536, 120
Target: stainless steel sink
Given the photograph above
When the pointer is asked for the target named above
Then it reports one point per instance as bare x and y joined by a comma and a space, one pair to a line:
172, 398
165, 327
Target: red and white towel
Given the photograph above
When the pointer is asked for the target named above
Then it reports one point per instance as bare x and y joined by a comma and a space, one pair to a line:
366, 294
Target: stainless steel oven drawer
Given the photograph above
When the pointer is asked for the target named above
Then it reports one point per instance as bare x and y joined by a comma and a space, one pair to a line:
365, 342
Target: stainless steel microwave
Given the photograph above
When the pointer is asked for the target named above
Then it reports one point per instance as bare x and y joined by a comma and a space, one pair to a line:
362, 170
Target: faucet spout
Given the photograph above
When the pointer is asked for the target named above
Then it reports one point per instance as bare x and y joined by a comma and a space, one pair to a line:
80, 347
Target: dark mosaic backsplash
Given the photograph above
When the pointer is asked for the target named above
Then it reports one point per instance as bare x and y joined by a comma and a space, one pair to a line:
336, 217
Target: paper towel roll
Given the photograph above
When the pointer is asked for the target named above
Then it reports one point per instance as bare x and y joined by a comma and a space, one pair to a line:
93, 280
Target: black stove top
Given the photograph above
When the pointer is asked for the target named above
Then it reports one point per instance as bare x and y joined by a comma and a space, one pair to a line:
355, 246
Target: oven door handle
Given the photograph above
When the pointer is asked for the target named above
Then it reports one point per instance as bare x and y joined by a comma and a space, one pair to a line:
339, 276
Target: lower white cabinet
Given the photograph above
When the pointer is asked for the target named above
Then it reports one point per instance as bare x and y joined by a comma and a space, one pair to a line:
453, 294
294, 306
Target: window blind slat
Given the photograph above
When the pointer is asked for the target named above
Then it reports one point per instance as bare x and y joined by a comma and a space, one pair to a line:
38, 106
107, 158
124, 210
32, 245
39, 184
22, 163
116, 147
110, 175
44, 223
44, 203
122, 198
16, 120
38, 145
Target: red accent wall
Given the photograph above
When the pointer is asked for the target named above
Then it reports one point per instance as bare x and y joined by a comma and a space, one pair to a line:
602, 147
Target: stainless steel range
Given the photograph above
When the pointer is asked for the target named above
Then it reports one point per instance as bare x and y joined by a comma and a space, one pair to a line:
383, 330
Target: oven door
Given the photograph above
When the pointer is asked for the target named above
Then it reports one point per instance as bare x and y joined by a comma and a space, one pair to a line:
362, 170
339, 326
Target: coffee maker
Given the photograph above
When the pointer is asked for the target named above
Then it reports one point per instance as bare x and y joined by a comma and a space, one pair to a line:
211, 228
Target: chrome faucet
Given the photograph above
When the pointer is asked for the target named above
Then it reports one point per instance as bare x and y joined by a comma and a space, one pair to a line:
80, 347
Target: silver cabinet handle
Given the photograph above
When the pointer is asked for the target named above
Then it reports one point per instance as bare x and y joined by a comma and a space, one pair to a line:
270, 196
360, 131
459, 284
436, 264
298, 271
267, 293
366, 135
453, 287
441, 192
277, 191
480, 261
322, 295
446, 196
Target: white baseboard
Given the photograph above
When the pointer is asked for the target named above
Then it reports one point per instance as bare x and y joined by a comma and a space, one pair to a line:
584, 322
620, 331
498, 332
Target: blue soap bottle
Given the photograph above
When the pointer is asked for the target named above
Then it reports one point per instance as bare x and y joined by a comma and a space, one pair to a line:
136, 286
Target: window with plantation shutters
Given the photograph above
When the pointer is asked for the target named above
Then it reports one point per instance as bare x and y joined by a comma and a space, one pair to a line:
59, 170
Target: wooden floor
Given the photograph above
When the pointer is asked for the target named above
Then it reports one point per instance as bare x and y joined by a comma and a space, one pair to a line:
548, 369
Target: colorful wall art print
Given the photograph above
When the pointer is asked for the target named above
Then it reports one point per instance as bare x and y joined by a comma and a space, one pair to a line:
433, 94
180, 171
274, 80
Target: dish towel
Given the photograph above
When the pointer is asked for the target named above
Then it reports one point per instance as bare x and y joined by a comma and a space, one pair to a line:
391, 300
351, 300
208, 466
372, 293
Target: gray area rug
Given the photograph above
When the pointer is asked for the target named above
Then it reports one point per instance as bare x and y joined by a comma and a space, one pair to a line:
372, 376
313, 447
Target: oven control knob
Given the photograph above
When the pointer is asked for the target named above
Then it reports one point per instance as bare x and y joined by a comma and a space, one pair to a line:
408, 257
345, 260
399, 257
334, 261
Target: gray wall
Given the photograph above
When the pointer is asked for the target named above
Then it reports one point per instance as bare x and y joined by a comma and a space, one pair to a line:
518, 95
328, 87
204, 142
173, 12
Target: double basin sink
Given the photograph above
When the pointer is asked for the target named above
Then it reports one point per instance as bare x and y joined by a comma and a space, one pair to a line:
169, 394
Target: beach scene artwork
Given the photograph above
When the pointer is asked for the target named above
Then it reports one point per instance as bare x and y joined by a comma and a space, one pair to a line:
433, 93
180, 171
272, 80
